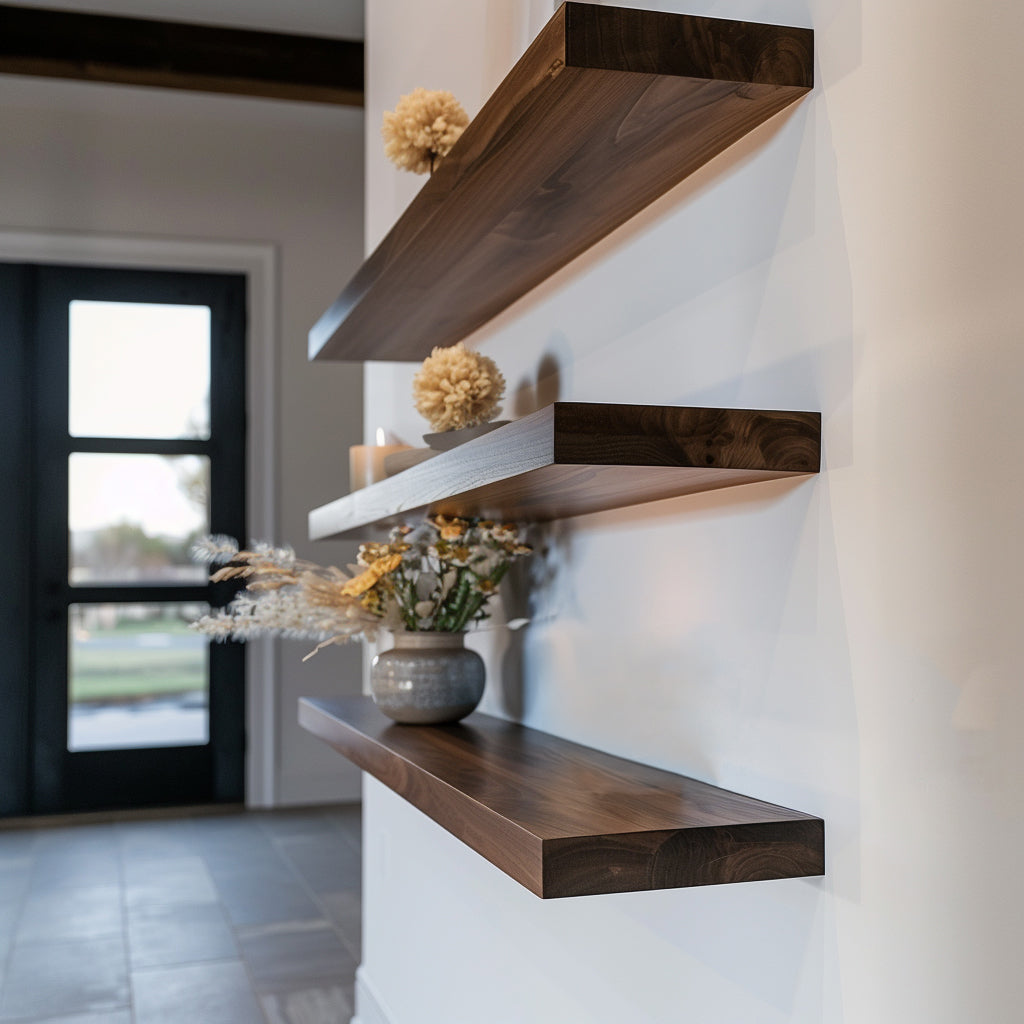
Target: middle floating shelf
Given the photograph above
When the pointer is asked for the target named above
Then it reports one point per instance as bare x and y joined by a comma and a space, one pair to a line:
572, 458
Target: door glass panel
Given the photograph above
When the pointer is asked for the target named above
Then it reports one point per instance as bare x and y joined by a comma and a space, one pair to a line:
139, 370
134, 518
138, 677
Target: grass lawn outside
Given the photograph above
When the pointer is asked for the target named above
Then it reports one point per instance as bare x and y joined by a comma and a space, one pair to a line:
137, 661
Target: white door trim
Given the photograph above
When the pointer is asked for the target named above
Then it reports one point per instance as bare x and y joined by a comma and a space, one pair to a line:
259, 263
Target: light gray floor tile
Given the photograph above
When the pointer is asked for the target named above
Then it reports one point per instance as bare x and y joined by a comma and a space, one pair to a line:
8, 923
49, 979
325, 863
17, 844
168, 881
113, 1017
226, 861
155, 840
230, 836
180, 884
277, 957
66, 915
345, 911
302, 822
325, 1005
84, 839
265, 897
14, 878
214, 993
350, 819
161, 936
72, 868
10, 908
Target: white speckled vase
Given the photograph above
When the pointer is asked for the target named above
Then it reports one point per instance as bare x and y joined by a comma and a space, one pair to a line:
427, 679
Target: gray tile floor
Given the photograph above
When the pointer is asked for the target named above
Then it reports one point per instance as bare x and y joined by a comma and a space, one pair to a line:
247, 918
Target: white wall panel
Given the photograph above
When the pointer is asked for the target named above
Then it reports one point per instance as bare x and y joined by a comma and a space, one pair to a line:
845, 645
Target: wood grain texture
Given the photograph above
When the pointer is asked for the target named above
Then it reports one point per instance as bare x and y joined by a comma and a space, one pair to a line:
567, 820
606, 111
139, 51
573, 458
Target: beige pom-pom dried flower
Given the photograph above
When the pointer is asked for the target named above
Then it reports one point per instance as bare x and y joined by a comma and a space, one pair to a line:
422, 129
457, 388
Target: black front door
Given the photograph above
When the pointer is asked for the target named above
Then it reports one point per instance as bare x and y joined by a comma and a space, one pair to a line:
125, 421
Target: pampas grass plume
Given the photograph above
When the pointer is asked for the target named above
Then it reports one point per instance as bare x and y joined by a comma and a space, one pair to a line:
456, 387
422, 129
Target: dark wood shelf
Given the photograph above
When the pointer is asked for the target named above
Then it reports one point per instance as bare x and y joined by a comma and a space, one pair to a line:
573, 458
605, 112
566, 820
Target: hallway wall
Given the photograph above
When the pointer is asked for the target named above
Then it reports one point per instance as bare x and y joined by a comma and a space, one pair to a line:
844, 645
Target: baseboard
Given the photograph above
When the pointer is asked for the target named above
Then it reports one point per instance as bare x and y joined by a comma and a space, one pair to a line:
128, 814
369, 1008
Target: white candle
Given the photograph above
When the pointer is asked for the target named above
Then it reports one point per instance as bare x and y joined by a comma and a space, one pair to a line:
366, 461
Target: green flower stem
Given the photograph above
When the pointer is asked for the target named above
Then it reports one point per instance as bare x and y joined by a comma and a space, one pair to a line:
410, 607
472, 607
405, 591
453, 619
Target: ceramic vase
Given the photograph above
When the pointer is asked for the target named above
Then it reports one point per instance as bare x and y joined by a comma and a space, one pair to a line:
427, 679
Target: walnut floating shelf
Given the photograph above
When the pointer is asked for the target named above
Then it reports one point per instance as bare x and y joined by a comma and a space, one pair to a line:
605, 112
566, 820
573, 458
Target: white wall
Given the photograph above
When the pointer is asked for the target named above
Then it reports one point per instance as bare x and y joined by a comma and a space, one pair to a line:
147, 163
844, 645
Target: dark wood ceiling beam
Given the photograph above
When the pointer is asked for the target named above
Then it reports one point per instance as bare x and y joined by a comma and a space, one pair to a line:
174, 55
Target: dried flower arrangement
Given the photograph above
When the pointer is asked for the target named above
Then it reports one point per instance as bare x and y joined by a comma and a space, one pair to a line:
437, 577
422, 129
457, 388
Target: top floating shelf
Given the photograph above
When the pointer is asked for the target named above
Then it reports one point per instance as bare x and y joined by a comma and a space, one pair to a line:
605, 112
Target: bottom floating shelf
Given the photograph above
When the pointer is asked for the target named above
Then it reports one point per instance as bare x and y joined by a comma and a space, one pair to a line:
564, 819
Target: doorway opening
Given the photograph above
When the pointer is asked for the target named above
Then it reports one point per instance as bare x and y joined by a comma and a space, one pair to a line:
126, 402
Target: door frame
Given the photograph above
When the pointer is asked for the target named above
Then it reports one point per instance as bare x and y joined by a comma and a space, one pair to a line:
258, 262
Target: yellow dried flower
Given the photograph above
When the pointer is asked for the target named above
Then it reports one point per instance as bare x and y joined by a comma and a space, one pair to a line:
449, 527
387, 564
457, 388
370, 552
365, 580
422, 129
360, 584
